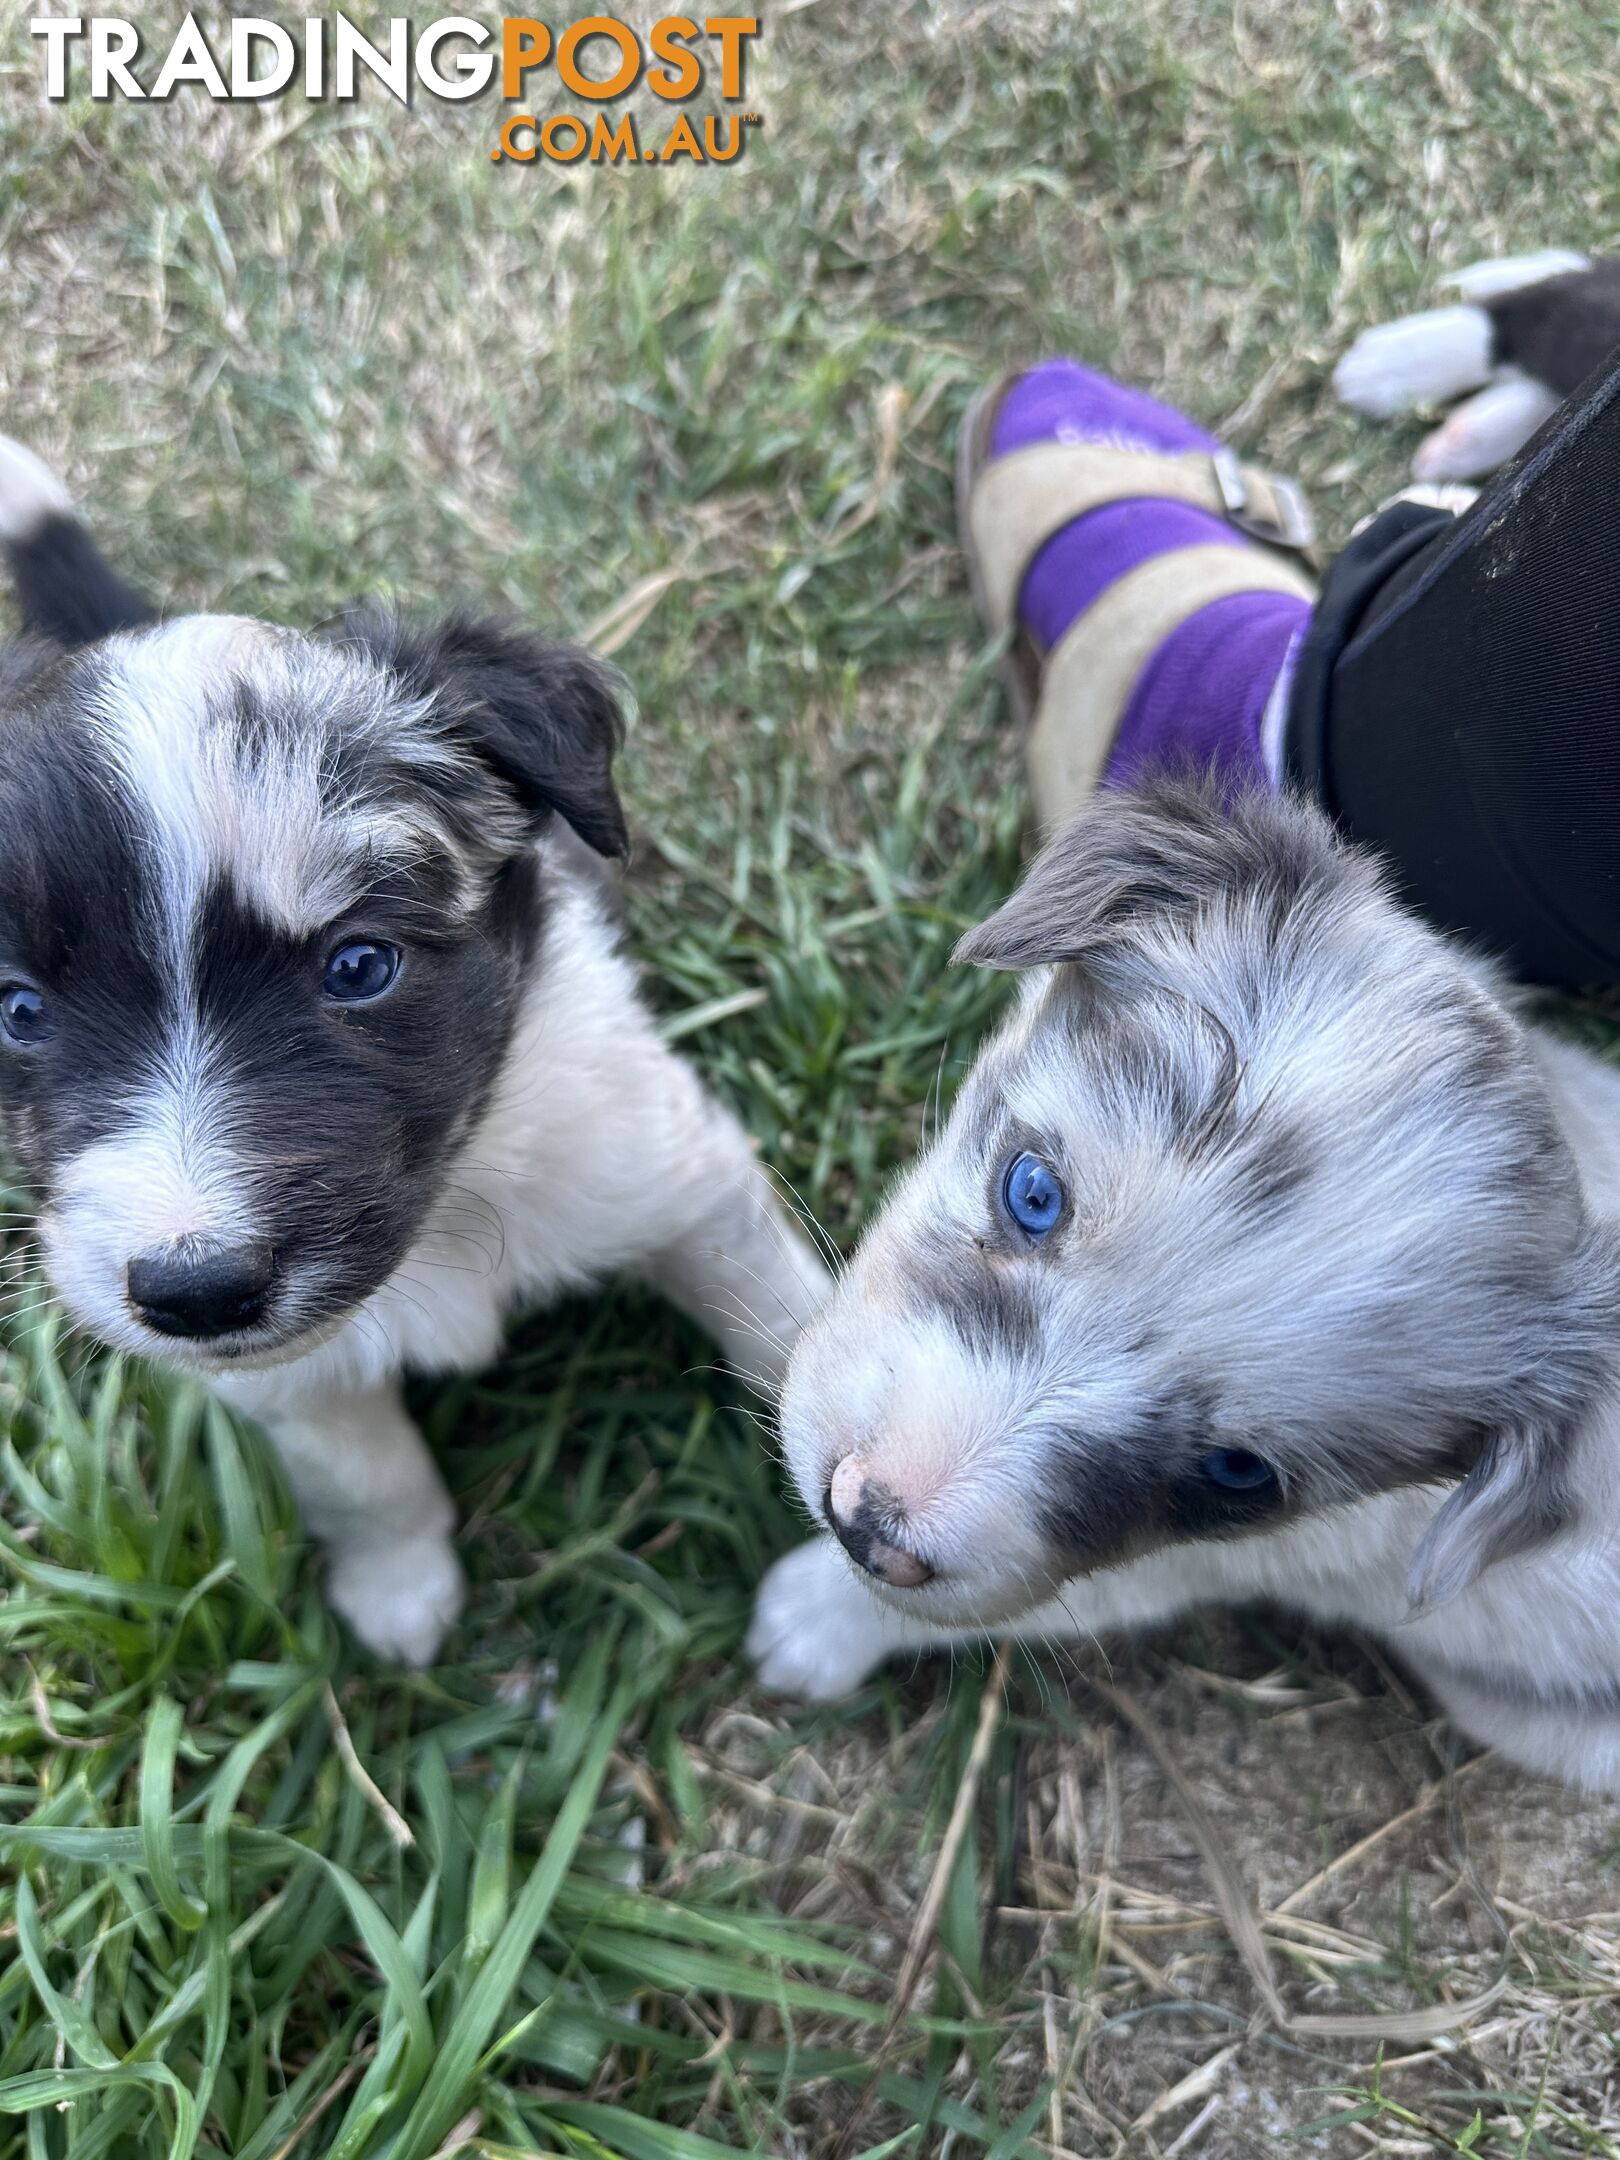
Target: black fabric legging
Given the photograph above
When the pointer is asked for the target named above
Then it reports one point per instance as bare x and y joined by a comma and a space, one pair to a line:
1457, 700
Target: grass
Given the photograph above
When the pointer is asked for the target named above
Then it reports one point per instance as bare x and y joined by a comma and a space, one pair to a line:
580, 1891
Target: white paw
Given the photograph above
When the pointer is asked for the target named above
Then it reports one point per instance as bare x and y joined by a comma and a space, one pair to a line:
1423, 359
1511, 273
401, 1600
29, 491
1485, 431
817, 1630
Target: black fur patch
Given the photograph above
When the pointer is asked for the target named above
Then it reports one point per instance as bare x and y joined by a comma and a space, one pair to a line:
74, 883
544, 719
344, 1117
66, 588
983, 1294
1560, 330
1111, 1496
1277, 1161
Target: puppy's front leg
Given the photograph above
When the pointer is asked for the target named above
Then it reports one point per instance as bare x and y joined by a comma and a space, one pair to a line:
369, 1491
734, 1259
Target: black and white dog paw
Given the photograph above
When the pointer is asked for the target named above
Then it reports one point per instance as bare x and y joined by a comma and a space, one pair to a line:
1524, 331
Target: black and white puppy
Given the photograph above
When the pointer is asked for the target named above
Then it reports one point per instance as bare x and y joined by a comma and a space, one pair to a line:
1268, 1252
1524, 332
317, 1046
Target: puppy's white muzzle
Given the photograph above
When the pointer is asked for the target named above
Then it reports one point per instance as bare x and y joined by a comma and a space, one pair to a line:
921, 1461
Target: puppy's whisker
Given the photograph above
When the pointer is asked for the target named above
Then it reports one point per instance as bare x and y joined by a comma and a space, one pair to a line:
931, 1102
370, 1323
20, 1310
769, 1288
440, 1234
805, 1215
737, 1307
464, 1197
396, 1285
740, 1316
734, 1365
767, 1429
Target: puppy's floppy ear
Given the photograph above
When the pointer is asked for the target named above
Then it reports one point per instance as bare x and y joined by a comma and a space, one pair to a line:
1521, 1491
544, 718
1173, 848
1515, 1498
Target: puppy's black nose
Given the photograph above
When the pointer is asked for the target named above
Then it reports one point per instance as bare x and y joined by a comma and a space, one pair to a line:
864, 1520
202, 1290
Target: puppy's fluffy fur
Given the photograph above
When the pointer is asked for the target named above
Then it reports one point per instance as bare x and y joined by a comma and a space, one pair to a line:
294, 1194
1328, 1201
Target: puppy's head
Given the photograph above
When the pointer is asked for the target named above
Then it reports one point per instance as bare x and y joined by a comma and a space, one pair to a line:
1256, 1205
267, 906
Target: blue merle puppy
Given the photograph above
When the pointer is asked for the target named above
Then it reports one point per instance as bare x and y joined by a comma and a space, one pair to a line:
1269, 1251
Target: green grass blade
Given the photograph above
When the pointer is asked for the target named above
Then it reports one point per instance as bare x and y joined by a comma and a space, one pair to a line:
163, 1729
445, 2092
75, 2028
618, 2131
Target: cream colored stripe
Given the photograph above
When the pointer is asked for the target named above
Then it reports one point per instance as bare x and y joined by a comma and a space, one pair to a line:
1091, 671
1022, 499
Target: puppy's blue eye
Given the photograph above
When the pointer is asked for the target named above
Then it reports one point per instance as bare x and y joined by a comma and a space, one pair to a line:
1234, 1469
358, 973
23, 1015
1031, 1195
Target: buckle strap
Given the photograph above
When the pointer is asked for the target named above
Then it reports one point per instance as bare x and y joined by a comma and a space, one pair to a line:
1266, 506
1022, 498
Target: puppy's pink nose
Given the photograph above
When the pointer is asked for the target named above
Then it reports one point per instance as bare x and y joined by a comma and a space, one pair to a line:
866, 1520
848, 1488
